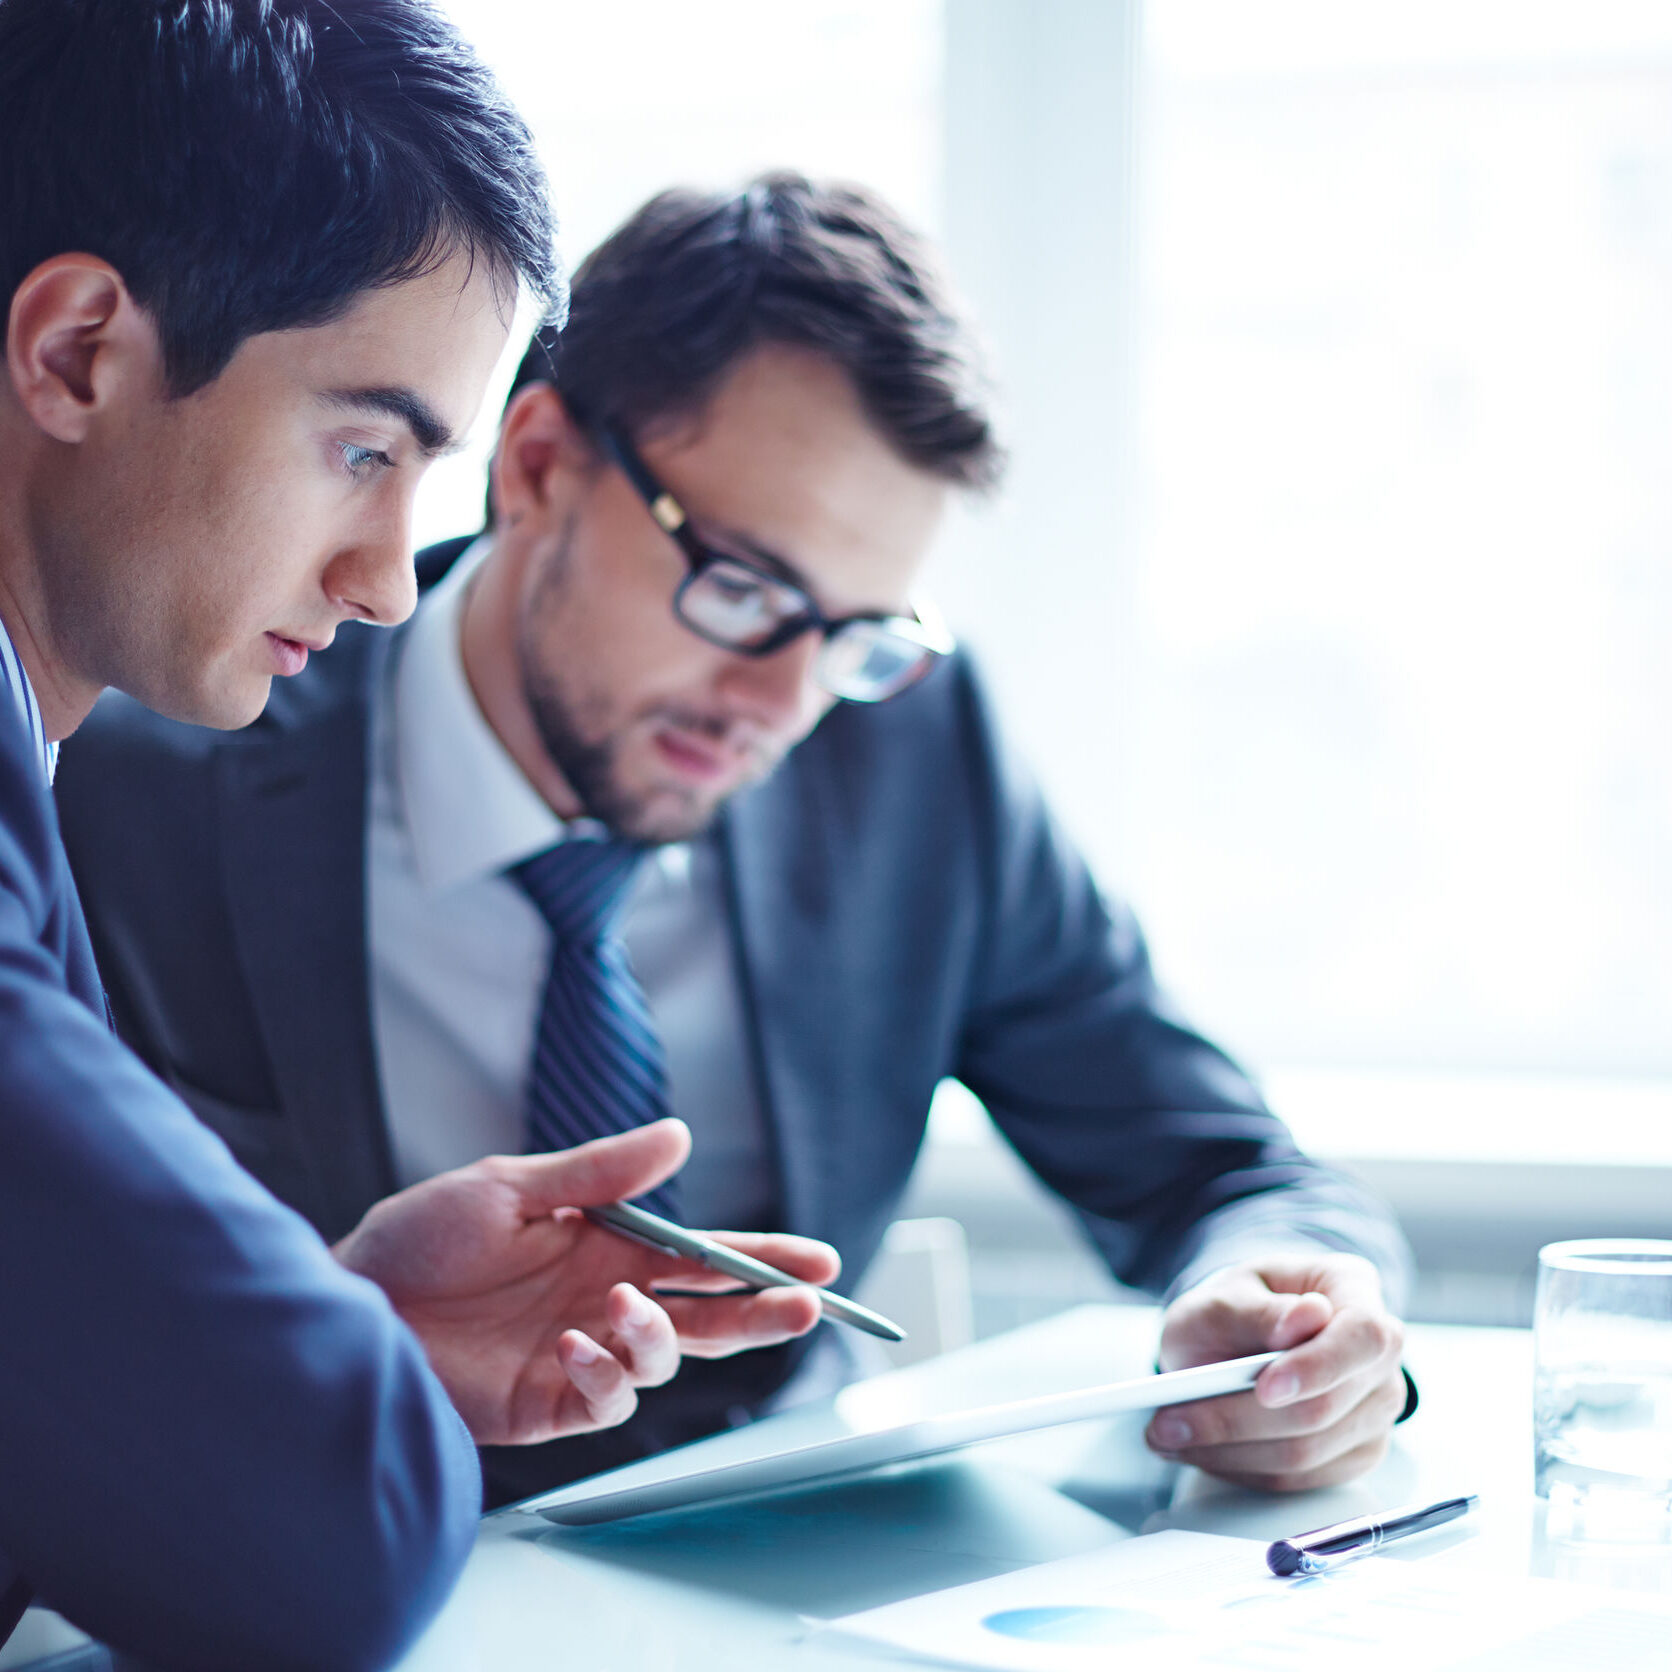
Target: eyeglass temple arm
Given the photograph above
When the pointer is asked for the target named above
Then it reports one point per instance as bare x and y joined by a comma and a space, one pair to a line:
663, 506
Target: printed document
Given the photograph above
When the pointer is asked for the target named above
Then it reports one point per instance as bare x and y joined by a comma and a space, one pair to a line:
1179, 1600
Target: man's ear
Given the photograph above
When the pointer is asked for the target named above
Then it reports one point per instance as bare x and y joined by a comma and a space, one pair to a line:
540, 446
75, 338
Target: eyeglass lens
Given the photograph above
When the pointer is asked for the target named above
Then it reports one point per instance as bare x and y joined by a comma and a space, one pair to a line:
739, 606
733, 604
867, 662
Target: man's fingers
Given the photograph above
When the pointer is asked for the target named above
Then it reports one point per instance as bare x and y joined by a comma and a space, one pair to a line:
1348, 1466
598, 1384
1305, 1390
605, 1170
803, 1258
1354, 1342
645, 1343
1241, 1418
644, 1336
1234, 1314
1288, 1462
1211, 1432
1345, 1279
1298, 1318
714, 1326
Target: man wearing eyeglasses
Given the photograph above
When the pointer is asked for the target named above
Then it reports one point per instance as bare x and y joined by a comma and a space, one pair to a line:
693, 633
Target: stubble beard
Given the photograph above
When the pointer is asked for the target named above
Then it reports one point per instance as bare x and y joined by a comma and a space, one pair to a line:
588, 758
590, 769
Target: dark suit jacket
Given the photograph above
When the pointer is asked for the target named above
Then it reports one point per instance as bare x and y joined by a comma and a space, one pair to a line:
902, 909
217, 1449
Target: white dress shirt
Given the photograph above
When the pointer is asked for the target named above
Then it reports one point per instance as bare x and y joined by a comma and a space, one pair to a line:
459, 953
22, 693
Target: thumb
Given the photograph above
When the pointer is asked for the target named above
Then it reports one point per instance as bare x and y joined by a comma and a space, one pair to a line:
605, 1170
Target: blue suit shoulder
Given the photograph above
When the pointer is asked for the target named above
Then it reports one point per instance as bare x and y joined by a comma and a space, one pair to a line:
216, 1448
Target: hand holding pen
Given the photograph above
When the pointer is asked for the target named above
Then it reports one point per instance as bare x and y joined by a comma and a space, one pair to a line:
540, 1323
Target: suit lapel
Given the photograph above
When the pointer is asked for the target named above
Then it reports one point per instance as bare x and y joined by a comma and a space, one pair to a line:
773, 845
81, 969
852, 1013
294, 820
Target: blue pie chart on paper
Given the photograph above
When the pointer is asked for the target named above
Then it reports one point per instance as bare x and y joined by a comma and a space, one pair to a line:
1075, 1625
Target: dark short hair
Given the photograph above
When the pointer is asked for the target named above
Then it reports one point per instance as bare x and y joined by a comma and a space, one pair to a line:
670, 301
254, 165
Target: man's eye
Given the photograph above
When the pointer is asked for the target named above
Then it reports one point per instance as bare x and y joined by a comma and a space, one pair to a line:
362, 461
732, 586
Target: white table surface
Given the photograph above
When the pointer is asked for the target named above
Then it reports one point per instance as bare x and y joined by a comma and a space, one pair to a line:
734, 1586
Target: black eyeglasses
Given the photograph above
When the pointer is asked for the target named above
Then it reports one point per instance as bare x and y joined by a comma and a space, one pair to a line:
740, 606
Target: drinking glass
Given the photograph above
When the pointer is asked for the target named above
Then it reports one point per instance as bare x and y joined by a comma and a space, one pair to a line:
1602, 1387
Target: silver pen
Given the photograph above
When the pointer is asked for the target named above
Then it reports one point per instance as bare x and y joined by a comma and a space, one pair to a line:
1328, 1547
662, 1234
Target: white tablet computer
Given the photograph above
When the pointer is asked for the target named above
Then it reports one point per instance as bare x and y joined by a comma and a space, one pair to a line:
854, 1432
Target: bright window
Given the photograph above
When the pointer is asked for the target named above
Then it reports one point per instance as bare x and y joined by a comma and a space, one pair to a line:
1404, 597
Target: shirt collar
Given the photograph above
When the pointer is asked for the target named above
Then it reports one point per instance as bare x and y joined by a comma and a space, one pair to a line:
16, 680
468, 808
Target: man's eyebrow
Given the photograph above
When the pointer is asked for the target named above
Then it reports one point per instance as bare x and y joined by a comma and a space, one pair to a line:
737, 544
434, 437
740, 545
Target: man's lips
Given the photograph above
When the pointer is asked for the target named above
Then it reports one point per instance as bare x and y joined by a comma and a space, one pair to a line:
718, 752
694, 756
291, 655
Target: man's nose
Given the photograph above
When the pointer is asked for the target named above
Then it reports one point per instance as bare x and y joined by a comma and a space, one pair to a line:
372, 579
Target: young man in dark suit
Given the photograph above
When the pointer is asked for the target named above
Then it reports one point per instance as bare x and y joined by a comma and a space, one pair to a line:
258, 260
712, 495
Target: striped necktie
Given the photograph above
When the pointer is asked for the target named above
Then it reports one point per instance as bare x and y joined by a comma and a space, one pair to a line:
597, 1067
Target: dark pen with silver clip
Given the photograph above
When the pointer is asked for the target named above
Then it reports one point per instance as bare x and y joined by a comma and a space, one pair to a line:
628, 1221
1330, 1547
